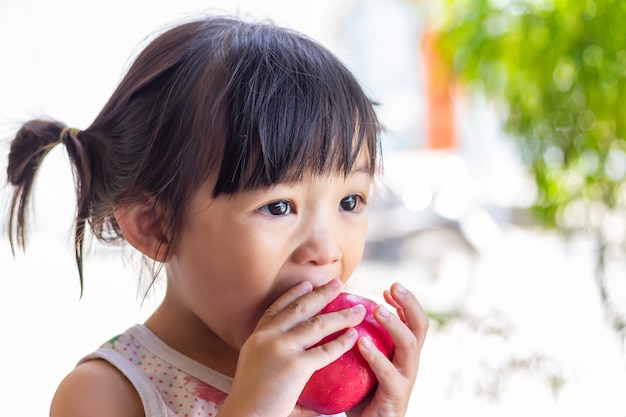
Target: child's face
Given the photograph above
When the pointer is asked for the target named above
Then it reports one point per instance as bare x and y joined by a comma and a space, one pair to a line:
239, 253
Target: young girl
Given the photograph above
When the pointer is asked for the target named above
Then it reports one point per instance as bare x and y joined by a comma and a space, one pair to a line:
238, 157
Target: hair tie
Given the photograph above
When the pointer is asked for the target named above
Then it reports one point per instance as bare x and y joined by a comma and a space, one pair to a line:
73, 133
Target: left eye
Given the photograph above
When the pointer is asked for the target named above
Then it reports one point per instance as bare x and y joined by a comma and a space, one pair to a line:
350, 203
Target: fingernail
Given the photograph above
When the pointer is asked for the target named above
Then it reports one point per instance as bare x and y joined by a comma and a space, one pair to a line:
305, 287
334, 283
401, 290
351, 333
365, 343
359, 308
384, 313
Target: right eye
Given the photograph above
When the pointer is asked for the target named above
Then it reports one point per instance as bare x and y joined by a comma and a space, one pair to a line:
277, 208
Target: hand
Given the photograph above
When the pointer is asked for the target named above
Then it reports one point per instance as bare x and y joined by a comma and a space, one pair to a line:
277, 360
396, 377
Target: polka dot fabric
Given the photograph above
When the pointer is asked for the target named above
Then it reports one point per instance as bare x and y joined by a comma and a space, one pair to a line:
183, 390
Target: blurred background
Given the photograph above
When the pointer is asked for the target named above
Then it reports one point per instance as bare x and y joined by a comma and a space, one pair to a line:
501, 205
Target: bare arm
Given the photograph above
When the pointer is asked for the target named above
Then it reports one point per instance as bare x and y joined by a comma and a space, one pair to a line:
96, 389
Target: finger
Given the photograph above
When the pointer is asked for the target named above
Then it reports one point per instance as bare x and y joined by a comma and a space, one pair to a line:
325, 353
408, 333
284, 300
411, 312
385, 371
389, 298
315, 329
406, 347
291, 311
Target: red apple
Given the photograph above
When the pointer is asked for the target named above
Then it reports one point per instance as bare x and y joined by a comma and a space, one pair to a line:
347, 381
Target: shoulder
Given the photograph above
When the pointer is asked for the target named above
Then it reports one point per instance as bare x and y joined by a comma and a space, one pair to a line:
94, 389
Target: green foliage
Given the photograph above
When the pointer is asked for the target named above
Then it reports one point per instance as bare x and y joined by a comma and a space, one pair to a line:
557, 69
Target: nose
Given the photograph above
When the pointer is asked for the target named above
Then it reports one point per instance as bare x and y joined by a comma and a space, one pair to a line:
320, 243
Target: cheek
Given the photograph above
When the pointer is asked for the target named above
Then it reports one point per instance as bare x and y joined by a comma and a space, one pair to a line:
357, 229
225, 282
354, 245
244, 285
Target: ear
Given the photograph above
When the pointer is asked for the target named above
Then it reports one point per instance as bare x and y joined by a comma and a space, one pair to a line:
142, 227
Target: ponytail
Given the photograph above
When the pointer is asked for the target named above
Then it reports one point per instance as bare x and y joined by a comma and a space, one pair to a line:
28, 149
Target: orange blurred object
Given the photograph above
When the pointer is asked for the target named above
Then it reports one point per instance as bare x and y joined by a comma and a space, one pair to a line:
441, 132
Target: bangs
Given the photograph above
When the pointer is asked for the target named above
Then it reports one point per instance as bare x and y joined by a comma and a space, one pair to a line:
292, 110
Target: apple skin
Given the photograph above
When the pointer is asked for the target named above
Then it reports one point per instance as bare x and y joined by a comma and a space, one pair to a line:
344, 383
